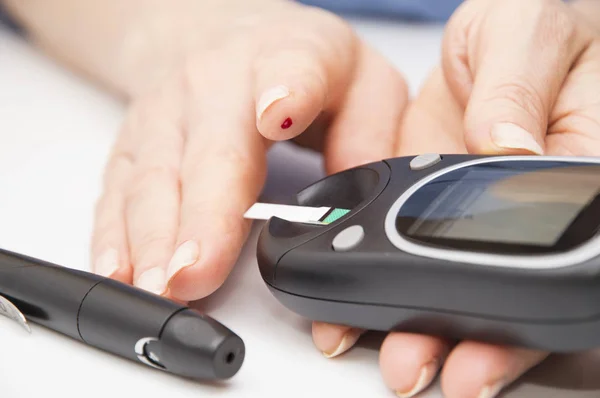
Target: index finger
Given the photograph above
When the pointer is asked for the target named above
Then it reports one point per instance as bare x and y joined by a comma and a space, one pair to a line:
222, 173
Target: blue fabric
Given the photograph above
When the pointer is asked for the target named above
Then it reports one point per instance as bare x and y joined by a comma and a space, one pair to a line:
423, 10
432, 10
5, 20
3, 17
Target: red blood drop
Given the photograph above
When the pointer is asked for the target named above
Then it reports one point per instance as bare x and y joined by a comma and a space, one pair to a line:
287, 123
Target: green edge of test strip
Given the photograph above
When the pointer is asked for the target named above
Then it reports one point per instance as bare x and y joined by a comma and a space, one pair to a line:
334, 215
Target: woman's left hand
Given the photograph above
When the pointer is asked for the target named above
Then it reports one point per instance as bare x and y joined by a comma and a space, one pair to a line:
517, 77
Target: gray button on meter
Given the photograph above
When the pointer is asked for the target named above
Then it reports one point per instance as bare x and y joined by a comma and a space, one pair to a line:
348, 238
424, 161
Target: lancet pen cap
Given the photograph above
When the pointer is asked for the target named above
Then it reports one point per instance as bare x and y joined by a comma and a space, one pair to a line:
195, 346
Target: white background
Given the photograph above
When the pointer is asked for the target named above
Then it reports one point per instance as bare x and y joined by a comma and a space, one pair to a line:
55, 132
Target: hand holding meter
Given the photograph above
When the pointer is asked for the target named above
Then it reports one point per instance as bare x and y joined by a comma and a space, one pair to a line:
498, 249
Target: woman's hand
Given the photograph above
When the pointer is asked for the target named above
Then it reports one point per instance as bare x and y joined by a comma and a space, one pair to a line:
191, 157
517, 77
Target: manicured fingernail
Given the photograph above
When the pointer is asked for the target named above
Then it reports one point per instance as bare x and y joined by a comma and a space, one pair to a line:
426, 376
269, 97
511, 136
153, 281
491, 390
185, 255
349, 339
107, 263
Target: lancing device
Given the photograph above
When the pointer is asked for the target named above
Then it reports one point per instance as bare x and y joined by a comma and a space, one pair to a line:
118, 318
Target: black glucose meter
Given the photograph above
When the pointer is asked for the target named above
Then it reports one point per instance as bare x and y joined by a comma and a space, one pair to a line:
500, 249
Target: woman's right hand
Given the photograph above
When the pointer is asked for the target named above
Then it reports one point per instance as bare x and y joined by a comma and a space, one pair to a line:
191, 157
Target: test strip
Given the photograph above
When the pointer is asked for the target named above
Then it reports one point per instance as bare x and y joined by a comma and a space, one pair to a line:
301, 214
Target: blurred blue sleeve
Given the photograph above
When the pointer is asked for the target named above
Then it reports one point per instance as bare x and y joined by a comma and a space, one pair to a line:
5, 20
418, 10
422, 10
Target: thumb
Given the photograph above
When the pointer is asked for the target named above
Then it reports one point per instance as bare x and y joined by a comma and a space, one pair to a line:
508, 79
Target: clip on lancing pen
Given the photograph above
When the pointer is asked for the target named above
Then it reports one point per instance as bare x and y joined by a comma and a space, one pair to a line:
300, 214
9, 310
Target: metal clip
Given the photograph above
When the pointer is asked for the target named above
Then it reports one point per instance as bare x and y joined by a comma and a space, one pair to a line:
146, 356
8, 309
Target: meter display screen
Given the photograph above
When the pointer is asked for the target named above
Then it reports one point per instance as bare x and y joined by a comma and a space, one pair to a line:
507, 206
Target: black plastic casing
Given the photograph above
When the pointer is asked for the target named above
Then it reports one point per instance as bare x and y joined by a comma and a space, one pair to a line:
378, 287
115, 317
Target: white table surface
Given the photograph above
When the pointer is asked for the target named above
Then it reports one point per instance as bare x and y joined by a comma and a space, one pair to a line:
55, 132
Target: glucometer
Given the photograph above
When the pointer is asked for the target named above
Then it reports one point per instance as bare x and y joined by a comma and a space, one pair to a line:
500, 249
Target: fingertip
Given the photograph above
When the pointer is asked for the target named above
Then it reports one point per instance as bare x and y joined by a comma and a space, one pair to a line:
110, 264
195, 282
269, 97
410, 362
334, 340
107, 262
123, 274
511, 137
168, 295
198, 273
503, 138
285, 111
327, 337
477, 369
470, 367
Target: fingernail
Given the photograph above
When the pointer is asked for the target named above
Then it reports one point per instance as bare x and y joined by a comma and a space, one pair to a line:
491, 390
511, 136
426, 376
349, 339
153, 281
269, 97
186, 255
107, 263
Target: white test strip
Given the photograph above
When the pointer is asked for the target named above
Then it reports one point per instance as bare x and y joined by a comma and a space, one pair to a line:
302, 214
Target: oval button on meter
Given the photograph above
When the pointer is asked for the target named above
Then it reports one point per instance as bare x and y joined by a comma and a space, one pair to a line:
424, 161
348, 239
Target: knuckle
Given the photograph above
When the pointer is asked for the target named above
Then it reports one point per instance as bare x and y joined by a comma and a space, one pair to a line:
160, 103
587, 67
550, 20
237, 162
106, 206
339, 33
142, 109
547, 23
141, 113
145, 178
583, 122
330, 20
106, 237
120, 163
463, 17
232, 155
555, 26
149, 242
209, 63
122, 158
521, 96
328, 39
